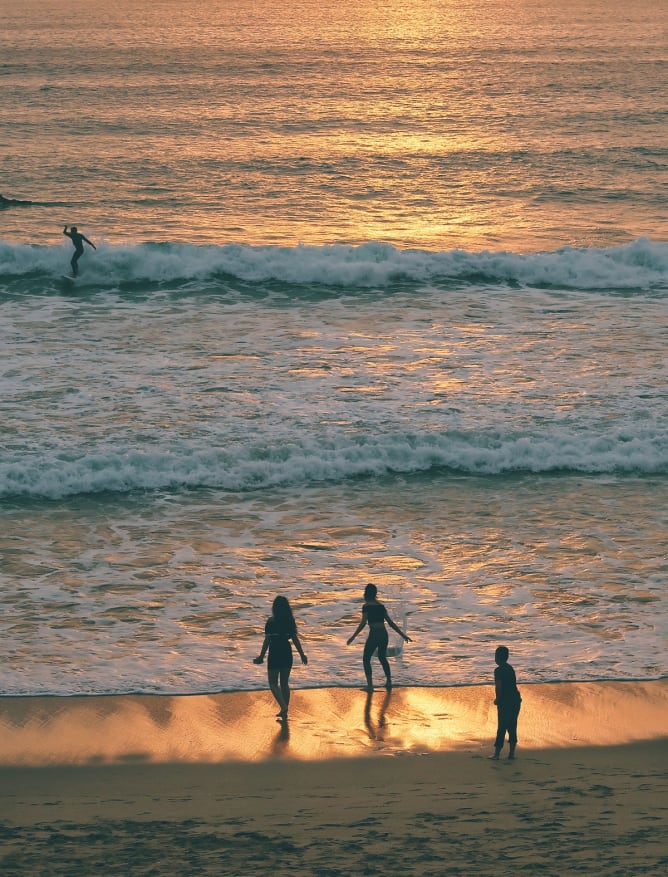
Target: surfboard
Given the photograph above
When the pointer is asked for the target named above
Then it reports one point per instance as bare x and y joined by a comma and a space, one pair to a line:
68, 280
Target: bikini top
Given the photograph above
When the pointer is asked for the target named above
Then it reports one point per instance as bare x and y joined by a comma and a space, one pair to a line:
273, 630
375, 612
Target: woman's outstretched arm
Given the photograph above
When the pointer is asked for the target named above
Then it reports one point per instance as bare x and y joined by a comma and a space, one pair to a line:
397, 628
360, 626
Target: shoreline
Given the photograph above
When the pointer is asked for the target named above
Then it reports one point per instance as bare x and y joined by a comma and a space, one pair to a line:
212, 785
324, 723
213, 692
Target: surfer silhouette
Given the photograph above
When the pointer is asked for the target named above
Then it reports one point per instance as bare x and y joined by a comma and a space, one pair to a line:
78, 240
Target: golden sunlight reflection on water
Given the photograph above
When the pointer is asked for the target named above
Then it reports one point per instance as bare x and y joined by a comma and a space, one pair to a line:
324, 723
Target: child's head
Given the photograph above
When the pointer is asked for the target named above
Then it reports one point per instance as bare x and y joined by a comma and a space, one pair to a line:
501, 654
370, 592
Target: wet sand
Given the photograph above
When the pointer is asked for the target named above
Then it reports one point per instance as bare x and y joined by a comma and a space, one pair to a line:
352, 786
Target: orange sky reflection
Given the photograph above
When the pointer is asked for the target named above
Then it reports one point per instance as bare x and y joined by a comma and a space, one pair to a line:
325, 723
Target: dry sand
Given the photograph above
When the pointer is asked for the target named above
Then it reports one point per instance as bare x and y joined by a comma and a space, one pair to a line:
209, 785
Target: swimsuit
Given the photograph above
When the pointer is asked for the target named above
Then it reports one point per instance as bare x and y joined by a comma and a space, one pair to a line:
378, 637
280, 648
375, 612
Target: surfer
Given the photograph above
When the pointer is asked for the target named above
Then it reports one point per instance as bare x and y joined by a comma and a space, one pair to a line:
375, 615
78, 240
278, 631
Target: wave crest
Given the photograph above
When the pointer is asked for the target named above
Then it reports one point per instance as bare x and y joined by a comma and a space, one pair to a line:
640, 265
248, 467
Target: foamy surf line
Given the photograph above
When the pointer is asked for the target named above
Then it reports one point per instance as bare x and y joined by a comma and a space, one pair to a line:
258, 465
642, 264
325, 724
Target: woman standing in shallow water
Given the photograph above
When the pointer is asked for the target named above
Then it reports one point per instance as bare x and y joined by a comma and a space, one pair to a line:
375, 615
279, 630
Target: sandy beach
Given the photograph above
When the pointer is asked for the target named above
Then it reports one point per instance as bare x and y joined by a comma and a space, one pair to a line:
386, 785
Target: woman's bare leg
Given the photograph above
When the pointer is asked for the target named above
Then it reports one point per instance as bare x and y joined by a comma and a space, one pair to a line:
275, 687
284, 679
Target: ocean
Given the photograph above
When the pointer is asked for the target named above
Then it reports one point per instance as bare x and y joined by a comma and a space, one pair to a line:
379, 295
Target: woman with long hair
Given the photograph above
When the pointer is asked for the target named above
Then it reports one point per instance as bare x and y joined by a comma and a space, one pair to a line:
375, 615
279, 632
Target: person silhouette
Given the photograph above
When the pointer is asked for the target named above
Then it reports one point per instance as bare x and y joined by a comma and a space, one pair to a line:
375, 615
279, 631
78, 240
508, 703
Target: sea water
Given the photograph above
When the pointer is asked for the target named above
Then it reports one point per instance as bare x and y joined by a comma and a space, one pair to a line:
380, 294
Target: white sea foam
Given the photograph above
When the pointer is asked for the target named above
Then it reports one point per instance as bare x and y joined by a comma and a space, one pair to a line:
249, 466
641, 265
169, 594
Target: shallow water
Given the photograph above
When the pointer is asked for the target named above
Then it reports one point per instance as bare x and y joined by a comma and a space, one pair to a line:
453, 387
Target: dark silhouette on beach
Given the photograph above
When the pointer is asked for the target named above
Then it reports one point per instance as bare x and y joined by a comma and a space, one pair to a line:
78, 240
375, 615
280, 632
508, 703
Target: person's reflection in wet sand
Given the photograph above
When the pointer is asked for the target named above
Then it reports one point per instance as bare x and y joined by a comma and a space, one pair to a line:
376, 731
